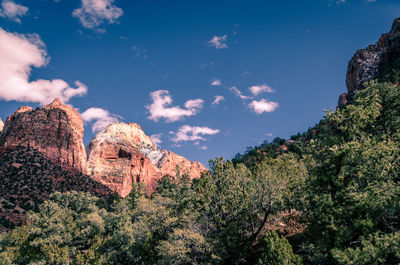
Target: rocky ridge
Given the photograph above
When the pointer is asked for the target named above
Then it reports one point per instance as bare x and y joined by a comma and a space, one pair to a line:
367, 64
123, 154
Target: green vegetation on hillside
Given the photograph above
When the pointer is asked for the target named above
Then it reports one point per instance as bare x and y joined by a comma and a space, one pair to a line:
327, 196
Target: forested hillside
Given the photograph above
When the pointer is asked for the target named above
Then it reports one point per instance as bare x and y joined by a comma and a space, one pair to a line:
327, 196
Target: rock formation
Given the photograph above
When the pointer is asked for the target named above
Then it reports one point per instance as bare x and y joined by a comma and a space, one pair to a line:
367, 64
1, 125
122, 154
55, 130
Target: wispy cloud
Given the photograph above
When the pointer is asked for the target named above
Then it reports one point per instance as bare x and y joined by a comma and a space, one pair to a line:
239, 93
18, 54
161, 107
94, 13
101, 118
156, 138
263, 105
13, 11
139, 52
188, 133
216, 82
205, 65
218, 99
256, 90
219, 42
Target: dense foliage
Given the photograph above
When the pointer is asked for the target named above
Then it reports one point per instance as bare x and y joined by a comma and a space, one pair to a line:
327, 196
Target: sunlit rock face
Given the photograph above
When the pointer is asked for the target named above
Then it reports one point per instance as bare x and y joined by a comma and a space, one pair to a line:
1, 125
123, 154
367, 64
56, 130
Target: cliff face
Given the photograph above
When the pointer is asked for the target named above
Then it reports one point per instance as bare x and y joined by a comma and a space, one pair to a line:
1, 125
122, 154
55, 130
367, 64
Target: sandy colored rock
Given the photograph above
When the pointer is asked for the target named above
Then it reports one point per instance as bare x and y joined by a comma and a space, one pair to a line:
1, 125
55, 130
122, 154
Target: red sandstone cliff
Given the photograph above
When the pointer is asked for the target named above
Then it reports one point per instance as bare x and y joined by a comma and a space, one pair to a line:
55, 130
122, 154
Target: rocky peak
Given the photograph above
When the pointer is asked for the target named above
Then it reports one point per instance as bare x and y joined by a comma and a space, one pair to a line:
122, 154
55, 130
23, 109
367, 64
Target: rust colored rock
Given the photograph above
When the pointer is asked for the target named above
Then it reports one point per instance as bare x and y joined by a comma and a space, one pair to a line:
367, 64
122, 154
55, 130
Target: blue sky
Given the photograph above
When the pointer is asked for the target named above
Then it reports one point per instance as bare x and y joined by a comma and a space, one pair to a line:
270, 67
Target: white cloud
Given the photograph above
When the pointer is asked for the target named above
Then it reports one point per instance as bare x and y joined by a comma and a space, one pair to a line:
263, 105
218, 99
256, 90
194, 104
12, 10
93, 13
156, 138
101, 118
238, 93
216, 82
203, 147
161, 107
219, 42
18, 54
269, 134
188, 133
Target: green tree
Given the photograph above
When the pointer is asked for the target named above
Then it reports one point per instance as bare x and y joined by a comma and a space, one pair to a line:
276, 250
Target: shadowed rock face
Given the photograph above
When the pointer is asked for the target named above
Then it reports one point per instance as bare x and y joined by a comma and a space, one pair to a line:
122, 154
367, 64
55, 130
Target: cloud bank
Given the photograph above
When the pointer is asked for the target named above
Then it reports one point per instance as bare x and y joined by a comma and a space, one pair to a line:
18, 55
13, 11
101, 117
188, 133
162, 108
93, 13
